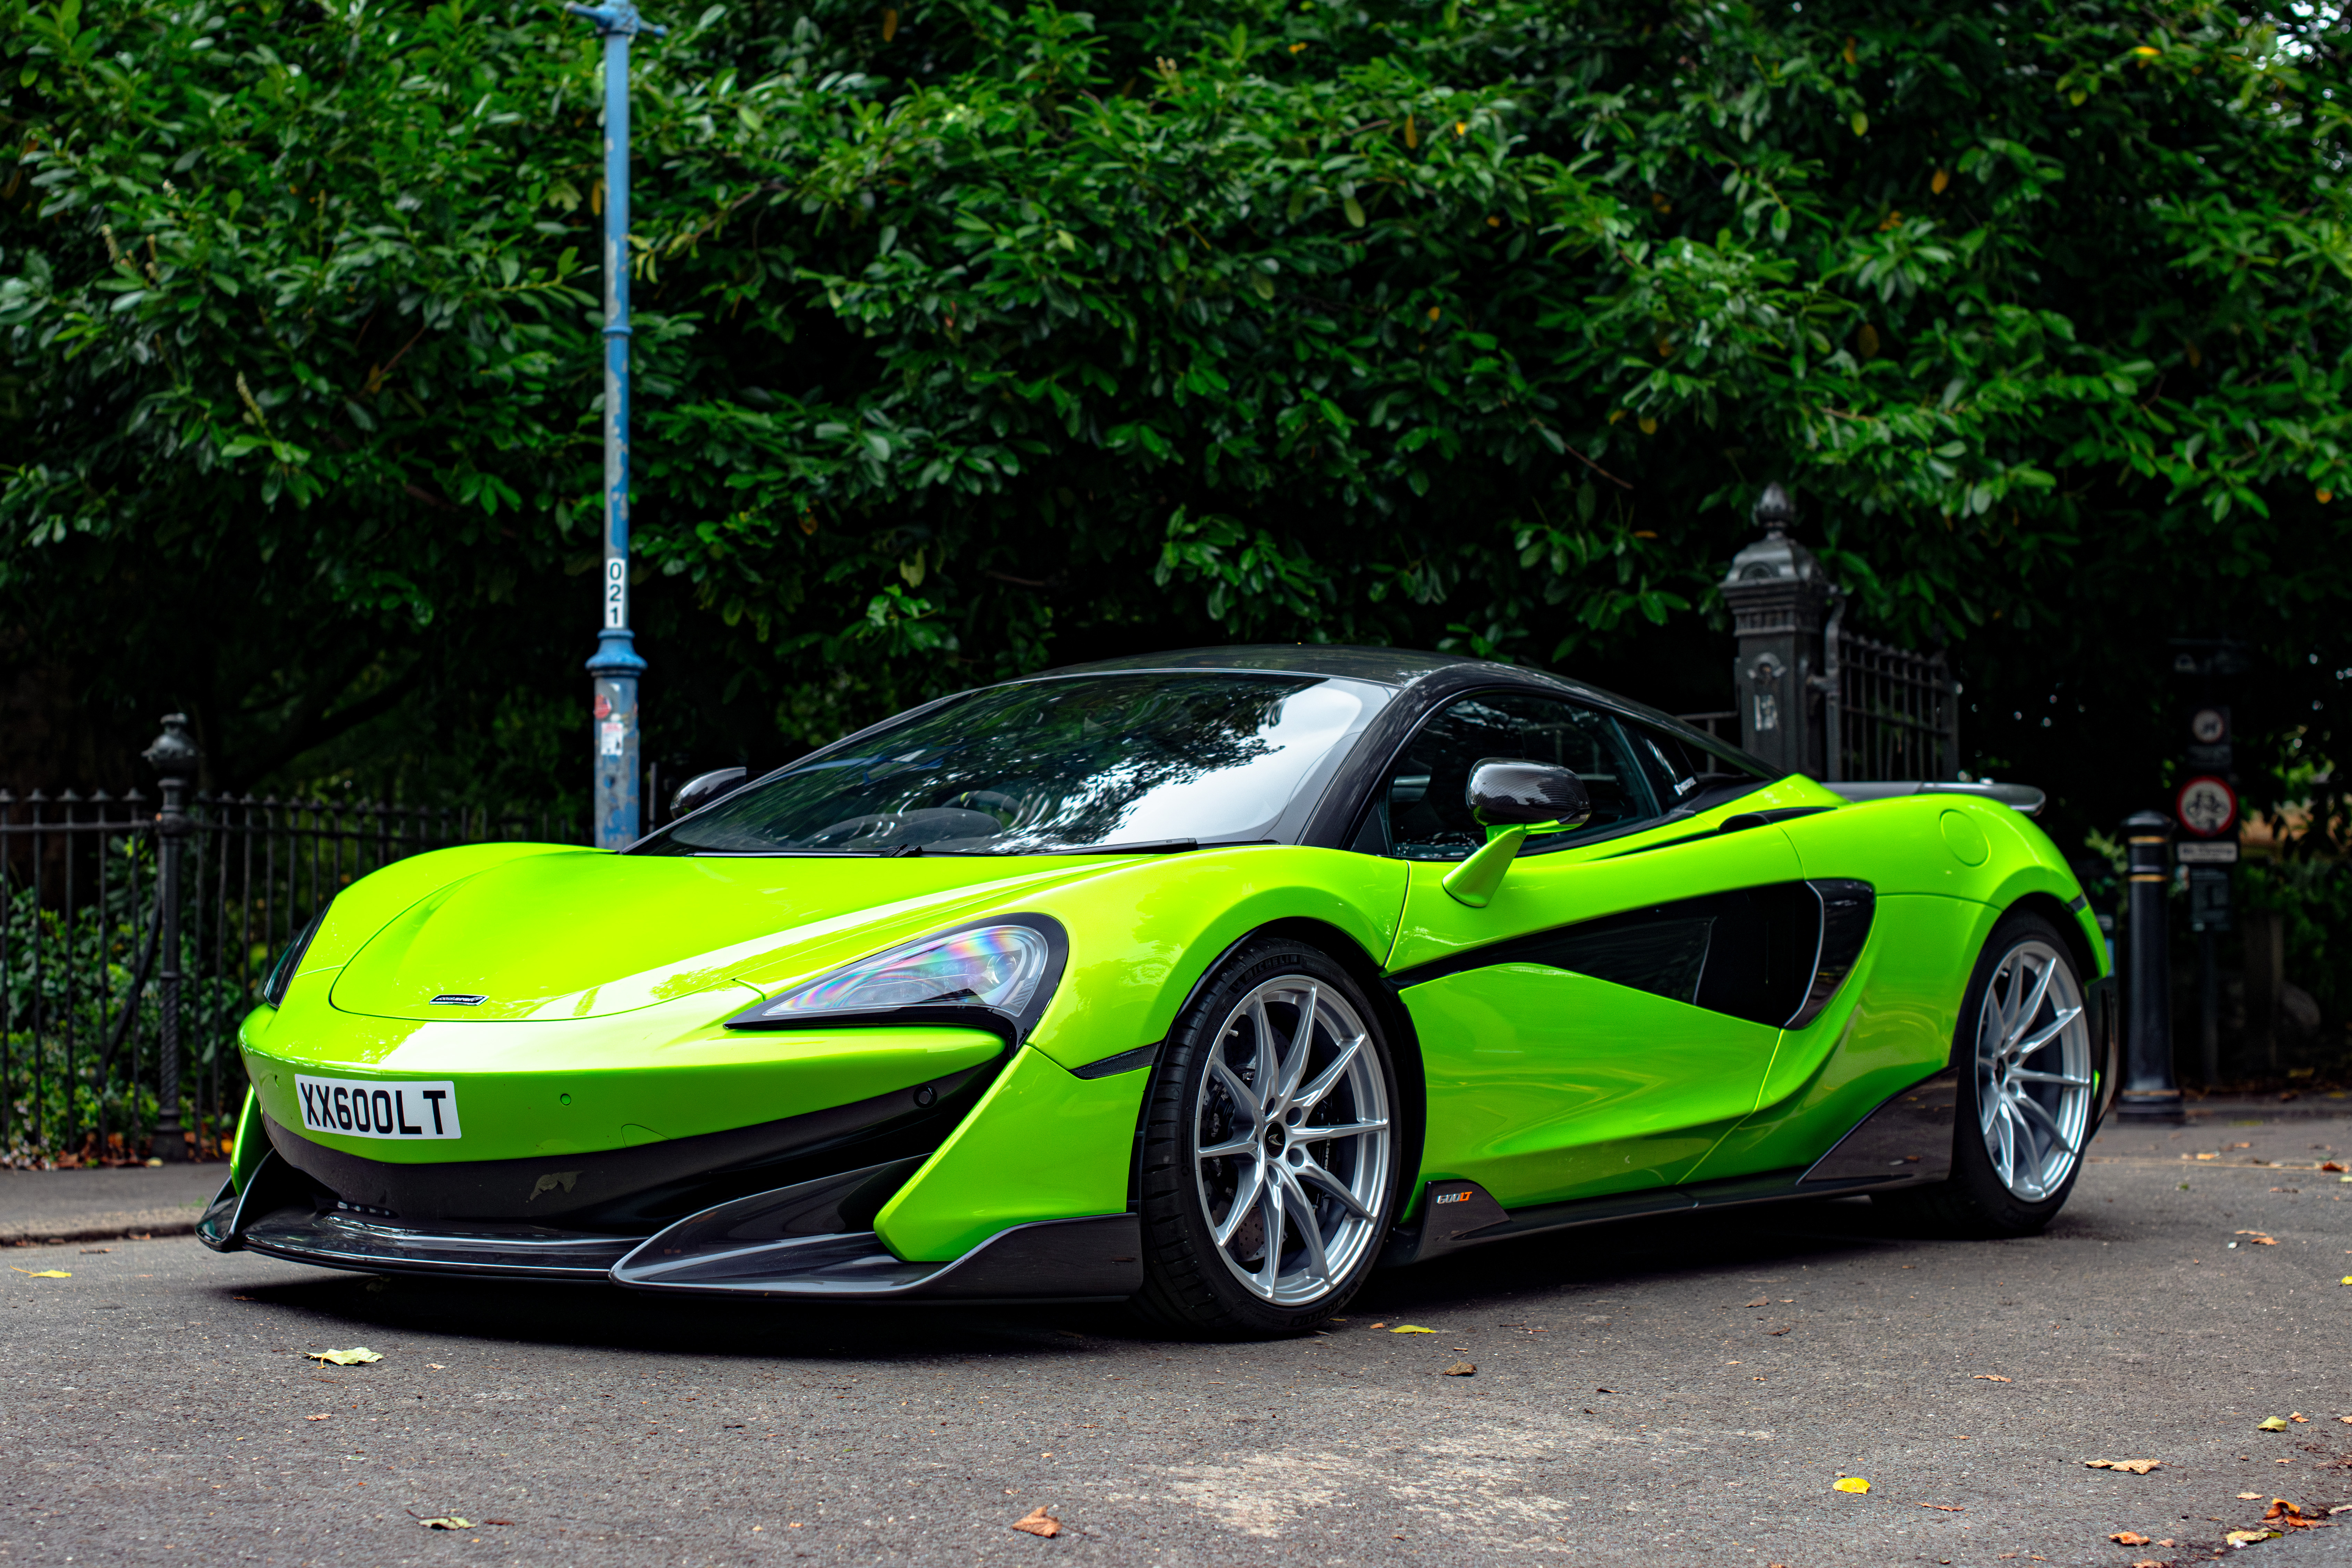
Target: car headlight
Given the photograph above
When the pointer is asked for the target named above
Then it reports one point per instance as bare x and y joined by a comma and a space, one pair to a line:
996, 974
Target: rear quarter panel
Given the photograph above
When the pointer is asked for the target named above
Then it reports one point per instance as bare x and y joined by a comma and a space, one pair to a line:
1945, 870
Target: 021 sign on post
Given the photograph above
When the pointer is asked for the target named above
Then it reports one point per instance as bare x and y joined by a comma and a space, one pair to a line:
616, 592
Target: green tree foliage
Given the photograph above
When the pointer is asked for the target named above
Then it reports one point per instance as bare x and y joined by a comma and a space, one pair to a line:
975, 338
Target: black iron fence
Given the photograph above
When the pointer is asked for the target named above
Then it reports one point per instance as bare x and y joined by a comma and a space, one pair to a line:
134, 941
1889, 712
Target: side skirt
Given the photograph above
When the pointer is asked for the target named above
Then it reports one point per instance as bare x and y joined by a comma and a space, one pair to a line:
1906, 1142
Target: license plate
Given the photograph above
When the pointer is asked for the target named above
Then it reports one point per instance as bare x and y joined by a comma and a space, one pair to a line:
378, 1110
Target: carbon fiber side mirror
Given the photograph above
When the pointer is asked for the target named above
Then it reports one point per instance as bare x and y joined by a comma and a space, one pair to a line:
1505, 792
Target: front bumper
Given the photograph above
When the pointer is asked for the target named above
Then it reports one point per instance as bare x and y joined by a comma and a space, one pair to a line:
795, 1242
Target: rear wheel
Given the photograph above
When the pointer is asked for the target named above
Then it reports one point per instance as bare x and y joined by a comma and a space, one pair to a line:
2025, 1097
1269, 1162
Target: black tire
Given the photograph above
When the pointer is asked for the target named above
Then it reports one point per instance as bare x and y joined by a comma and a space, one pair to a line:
1193, 1284
1978, 1200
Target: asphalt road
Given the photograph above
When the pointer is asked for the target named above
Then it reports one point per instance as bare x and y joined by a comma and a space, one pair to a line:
1654, 1393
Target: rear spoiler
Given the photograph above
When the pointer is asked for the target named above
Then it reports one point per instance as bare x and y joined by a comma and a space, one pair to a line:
2024, 799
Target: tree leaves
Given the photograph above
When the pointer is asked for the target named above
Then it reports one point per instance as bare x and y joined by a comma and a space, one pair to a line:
963, 341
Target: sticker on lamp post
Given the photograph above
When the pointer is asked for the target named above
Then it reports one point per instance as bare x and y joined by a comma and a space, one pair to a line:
2206, 807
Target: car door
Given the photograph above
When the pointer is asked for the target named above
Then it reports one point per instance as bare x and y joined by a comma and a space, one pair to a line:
1600, 1023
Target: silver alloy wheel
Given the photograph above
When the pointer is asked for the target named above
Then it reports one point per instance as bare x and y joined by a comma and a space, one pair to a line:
1293, 1144
2034, 1070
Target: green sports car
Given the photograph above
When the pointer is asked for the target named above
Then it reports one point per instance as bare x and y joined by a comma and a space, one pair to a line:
1209, 981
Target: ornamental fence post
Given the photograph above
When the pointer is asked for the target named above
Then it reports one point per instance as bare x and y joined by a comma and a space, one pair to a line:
173, 757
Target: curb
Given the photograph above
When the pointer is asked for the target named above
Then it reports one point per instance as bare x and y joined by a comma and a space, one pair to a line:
2274, 1110
100, 1227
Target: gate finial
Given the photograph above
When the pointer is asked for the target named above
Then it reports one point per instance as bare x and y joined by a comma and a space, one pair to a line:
1774, 512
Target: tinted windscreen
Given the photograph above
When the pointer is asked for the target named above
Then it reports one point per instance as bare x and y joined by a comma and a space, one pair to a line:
1046, 765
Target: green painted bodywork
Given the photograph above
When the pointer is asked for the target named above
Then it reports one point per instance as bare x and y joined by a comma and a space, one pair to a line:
1044, 1144
609, 980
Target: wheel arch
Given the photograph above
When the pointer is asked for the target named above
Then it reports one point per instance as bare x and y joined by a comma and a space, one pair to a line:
2078, 945
1404, 1041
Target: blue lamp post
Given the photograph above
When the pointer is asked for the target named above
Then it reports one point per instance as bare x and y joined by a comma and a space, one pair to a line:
617, 665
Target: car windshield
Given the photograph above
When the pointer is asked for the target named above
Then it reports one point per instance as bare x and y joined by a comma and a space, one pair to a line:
1157, 759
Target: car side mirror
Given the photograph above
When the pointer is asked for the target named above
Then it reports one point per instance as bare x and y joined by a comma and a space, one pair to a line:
703, 788
1514, 795
1504, 792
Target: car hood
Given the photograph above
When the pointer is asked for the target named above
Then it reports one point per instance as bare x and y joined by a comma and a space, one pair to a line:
585, 935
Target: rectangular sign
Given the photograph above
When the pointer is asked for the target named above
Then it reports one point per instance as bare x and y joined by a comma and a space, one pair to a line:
378, 1110
2195, 852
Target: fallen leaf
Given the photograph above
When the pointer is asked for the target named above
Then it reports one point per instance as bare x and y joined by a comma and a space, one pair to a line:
44, 1273
2136, 1466
1990, 1377
2261, 1239
2331, 1165
1944, 1506
2298, 1417
1380, 1325
1776, 1333
2129, 1538
449, 1522
2247, 1537
1759, 1302
1460, 1369
2270, 1424
87, 1251
355, 1356
510, 1522
1849, 1484
2150, 1563
318, 1418
1410, 1329
2209, 1156
1037, 1521
2248, 1496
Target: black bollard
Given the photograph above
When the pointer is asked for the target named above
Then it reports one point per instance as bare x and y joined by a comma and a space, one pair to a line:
2148, 1092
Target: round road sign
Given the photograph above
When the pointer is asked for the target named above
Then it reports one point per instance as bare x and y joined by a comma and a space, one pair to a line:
2209, 726
2206, 807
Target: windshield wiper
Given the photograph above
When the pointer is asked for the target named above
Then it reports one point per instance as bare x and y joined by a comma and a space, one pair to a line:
1139, 847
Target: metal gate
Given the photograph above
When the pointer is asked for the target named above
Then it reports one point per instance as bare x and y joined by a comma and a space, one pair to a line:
1815, 698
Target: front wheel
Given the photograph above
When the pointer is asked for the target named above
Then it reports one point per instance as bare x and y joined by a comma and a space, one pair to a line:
1269, 1158
2024, 1051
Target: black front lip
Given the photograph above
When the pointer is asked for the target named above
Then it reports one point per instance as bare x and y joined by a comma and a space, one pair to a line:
804, 1242
300, 1234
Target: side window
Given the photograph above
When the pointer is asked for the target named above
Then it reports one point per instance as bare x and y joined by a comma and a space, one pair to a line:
1420, 812
1682, 771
